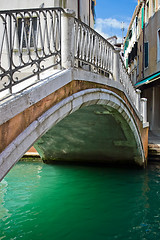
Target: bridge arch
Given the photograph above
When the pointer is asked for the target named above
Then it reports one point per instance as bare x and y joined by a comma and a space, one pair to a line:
63, 109
111, 104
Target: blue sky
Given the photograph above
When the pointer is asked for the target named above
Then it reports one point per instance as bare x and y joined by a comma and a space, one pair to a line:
110, 14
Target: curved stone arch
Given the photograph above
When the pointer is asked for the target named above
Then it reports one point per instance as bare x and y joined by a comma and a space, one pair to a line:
62, 109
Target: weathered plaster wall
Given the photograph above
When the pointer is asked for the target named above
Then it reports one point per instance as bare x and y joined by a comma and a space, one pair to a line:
150, 36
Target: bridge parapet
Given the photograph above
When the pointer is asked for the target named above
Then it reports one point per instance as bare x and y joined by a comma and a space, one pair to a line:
36, 40
30, 43
84, 47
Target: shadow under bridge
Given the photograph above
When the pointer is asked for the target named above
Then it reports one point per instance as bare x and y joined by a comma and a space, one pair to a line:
101, 129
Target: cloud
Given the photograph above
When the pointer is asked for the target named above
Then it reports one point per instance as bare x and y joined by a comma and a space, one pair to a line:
110, 26
100, 31
110, 22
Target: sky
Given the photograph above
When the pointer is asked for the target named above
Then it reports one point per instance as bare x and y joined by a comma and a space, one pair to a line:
111, 13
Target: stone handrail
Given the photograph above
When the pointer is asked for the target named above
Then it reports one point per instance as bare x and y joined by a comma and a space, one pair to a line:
126, 81
92, 48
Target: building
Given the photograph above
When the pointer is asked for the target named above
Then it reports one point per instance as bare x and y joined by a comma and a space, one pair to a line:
117, 45
84, 9
142, 57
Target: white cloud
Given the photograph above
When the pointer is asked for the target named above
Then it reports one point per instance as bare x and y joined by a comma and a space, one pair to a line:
110, 22
99, 30
110, 26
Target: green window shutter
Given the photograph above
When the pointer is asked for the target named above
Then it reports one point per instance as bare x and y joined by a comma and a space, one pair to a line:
146, 57
142, 17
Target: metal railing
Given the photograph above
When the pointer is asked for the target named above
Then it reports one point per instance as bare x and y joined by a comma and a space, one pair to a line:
30, 43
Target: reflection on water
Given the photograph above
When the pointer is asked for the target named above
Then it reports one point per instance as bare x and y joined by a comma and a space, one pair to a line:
4, 213
39, 201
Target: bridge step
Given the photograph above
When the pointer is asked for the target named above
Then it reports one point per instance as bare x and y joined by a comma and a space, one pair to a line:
154, 152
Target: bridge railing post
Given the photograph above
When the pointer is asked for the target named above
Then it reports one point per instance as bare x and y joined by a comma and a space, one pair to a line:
144, 109
116, 66
138, 99
67, 39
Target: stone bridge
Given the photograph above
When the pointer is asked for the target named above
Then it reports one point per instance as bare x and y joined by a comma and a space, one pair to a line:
65, 89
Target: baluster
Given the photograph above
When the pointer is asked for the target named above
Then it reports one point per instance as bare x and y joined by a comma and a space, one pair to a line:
102, 54
78, 41
75, 38
95, 49
99, 52
84, 44
81, 42
88, 45
91, 50
104, 57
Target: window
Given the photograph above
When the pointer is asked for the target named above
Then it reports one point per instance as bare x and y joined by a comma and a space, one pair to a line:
93, 9
27, 28
137, 65
136, 21
158, 45
146, 54
130, 34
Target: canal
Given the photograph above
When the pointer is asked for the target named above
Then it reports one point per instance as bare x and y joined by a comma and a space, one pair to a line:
39, 201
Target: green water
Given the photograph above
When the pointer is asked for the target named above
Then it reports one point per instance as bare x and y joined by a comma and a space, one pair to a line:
39, 201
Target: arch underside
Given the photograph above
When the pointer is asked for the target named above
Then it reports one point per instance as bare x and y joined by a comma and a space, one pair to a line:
95, 133
98, 131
